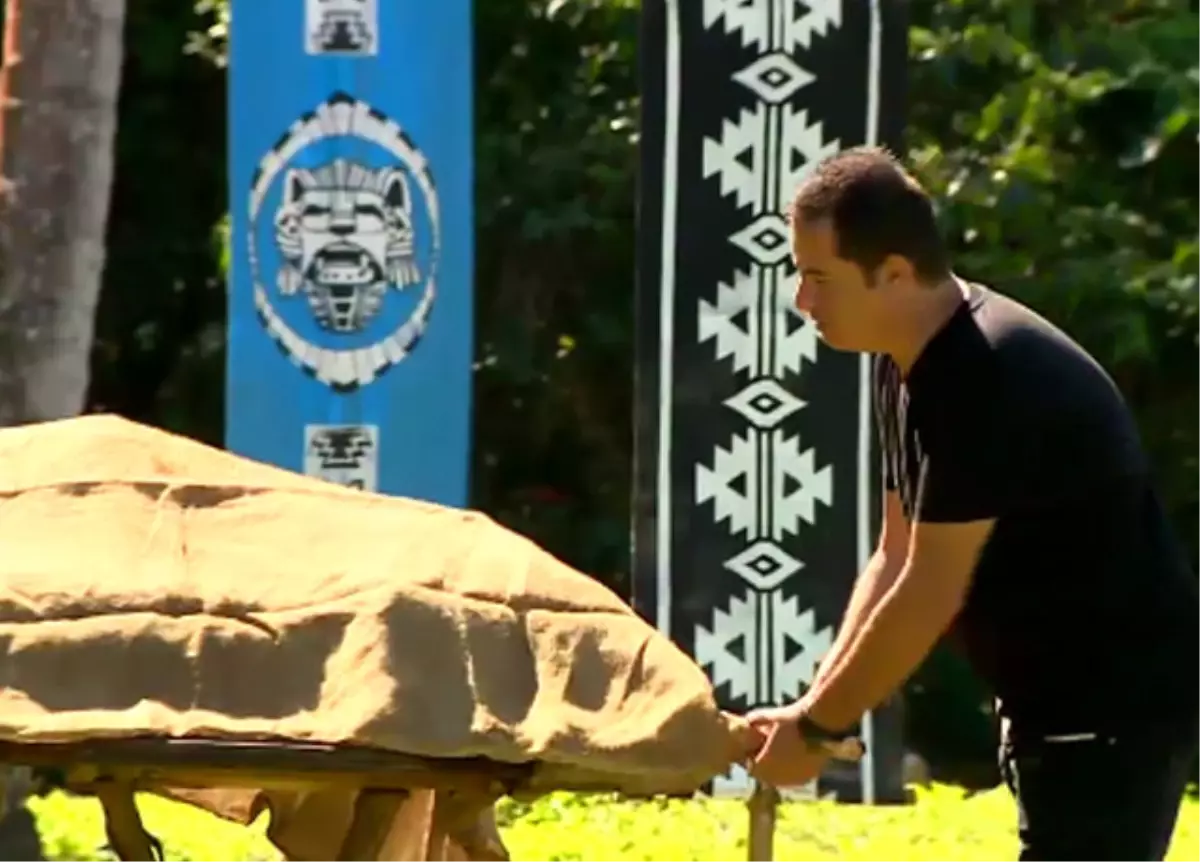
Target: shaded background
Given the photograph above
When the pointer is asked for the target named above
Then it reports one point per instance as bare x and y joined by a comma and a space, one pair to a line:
1061, 139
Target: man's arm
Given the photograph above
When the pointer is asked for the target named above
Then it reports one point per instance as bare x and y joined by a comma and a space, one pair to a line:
873, 581
904, 625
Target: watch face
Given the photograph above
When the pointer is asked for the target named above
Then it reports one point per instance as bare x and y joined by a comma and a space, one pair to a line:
840, 747
850, 749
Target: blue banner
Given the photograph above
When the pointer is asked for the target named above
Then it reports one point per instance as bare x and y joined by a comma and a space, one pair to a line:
350, 297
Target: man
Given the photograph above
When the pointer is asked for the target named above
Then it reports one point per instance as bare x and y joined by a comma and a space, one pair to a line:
1019, 518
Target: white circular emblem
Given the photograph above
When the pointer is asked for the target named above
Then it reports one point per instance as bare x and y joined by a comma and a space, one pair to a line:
344, 236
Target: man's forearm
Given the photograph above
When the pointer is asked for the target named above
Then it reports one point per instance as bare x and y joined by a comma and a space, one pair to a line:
871, 585
896, 637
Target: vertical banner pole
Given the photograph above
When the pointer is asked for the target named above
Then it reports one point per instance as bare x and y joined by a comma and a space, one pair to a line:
350, 286
756, 493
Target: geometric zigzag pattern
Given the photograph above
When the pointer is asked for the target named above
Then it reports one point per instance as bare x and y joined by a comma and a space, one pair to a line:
763, 484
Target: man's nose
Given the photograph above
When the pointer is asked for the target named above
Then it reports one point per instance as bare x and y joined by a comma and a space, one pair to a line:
804, 296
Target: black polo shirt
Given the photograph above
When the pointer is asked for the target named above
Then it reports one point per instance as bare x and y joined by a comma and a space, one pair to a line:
1083, 611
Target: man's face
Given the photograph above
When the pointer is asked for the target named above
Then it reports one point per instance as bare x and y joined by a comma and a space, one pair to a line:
849, 309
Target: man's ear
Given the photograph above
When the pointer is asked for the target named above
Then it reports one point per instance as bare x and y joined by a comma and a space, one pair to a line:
895, 271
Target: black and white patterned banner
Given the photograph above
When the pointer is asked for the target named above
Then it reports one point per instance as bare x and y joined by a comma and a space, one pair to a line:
757, 487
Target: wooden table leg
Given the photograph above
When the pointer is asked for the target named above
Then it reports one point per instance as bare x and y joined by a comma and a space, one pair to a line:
375, 815
126, 833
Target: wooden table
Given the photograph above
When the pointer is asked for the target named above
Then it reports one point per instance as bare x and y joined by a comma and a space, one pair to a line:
389, 786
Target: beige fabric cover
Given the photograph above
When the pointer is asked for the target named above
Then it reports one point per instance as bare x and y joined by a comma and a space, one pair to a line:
153, 585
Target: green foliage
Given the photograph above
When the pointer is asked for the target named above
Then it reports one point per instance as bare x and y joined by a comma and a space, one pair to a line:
943, 824
72, 827
159, 350
212, 40
1060, 137
556, 87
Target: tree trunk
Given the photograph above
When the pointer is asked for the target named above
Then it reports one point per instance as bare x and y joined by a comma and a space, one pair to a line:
57, 145
61, 78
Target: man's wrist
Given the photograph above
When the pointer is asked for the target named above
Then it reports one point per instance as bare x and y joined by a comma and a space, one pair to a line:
810, 708
839, 743
825, 715
813, 730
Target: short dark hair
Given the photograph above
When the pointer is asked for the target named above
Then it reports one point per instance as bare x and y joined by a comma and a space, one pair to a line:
876, 209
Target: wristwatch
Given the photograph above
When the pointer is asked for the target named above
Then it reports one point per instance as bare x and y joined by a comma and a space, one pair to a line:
839, 746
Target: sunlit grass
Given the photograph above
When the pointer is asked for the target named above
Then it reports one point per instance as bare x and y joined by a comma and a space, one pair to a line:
944, 823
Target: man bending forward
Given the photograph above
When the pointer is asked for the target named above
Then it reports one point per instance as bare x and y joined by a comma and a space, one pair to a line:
1020, 519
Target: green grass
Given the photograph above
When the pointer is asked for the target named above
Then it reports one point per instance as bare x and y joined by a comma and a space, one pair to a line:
943, 824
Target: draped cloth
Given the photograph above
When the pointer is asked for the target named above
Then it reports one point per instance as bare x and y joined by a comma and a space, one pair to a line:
154, 587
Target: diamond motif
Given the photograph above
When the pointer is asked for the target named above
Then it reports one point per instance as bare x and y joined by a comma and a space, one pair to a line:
764, 565
765, 239
759, 646
765, 403
774, 78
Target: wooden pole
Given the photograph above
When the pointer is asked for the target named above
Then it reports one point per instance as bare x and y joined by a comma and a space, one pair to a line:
763, 806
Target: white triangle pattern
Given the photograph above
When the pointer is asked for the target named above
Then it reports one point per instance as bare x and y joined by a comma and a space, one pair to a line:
762, 483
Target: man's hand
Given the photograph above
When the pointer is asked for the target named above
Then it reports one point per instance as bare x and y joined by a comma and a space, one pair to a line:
784, 760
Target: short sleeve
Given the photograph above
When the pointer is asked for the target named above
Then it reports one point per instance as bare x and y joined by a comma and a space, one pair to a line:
963, 474
883, 400
885, 470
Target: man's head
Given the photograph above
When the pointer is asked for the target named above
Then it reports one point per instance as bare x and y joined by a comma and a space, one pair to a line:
867, 246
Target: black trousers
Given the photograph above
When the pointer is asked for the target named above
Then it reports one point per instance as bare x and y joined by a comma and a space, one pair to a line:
1096, 796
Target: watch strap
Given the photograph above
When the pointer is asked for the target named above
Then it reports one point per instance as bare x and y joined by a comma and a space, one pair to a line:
840, 746
813, 732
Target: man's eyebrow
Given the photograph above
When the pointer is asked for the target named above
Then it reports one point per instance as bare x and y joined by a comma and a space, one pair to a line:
813, 270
